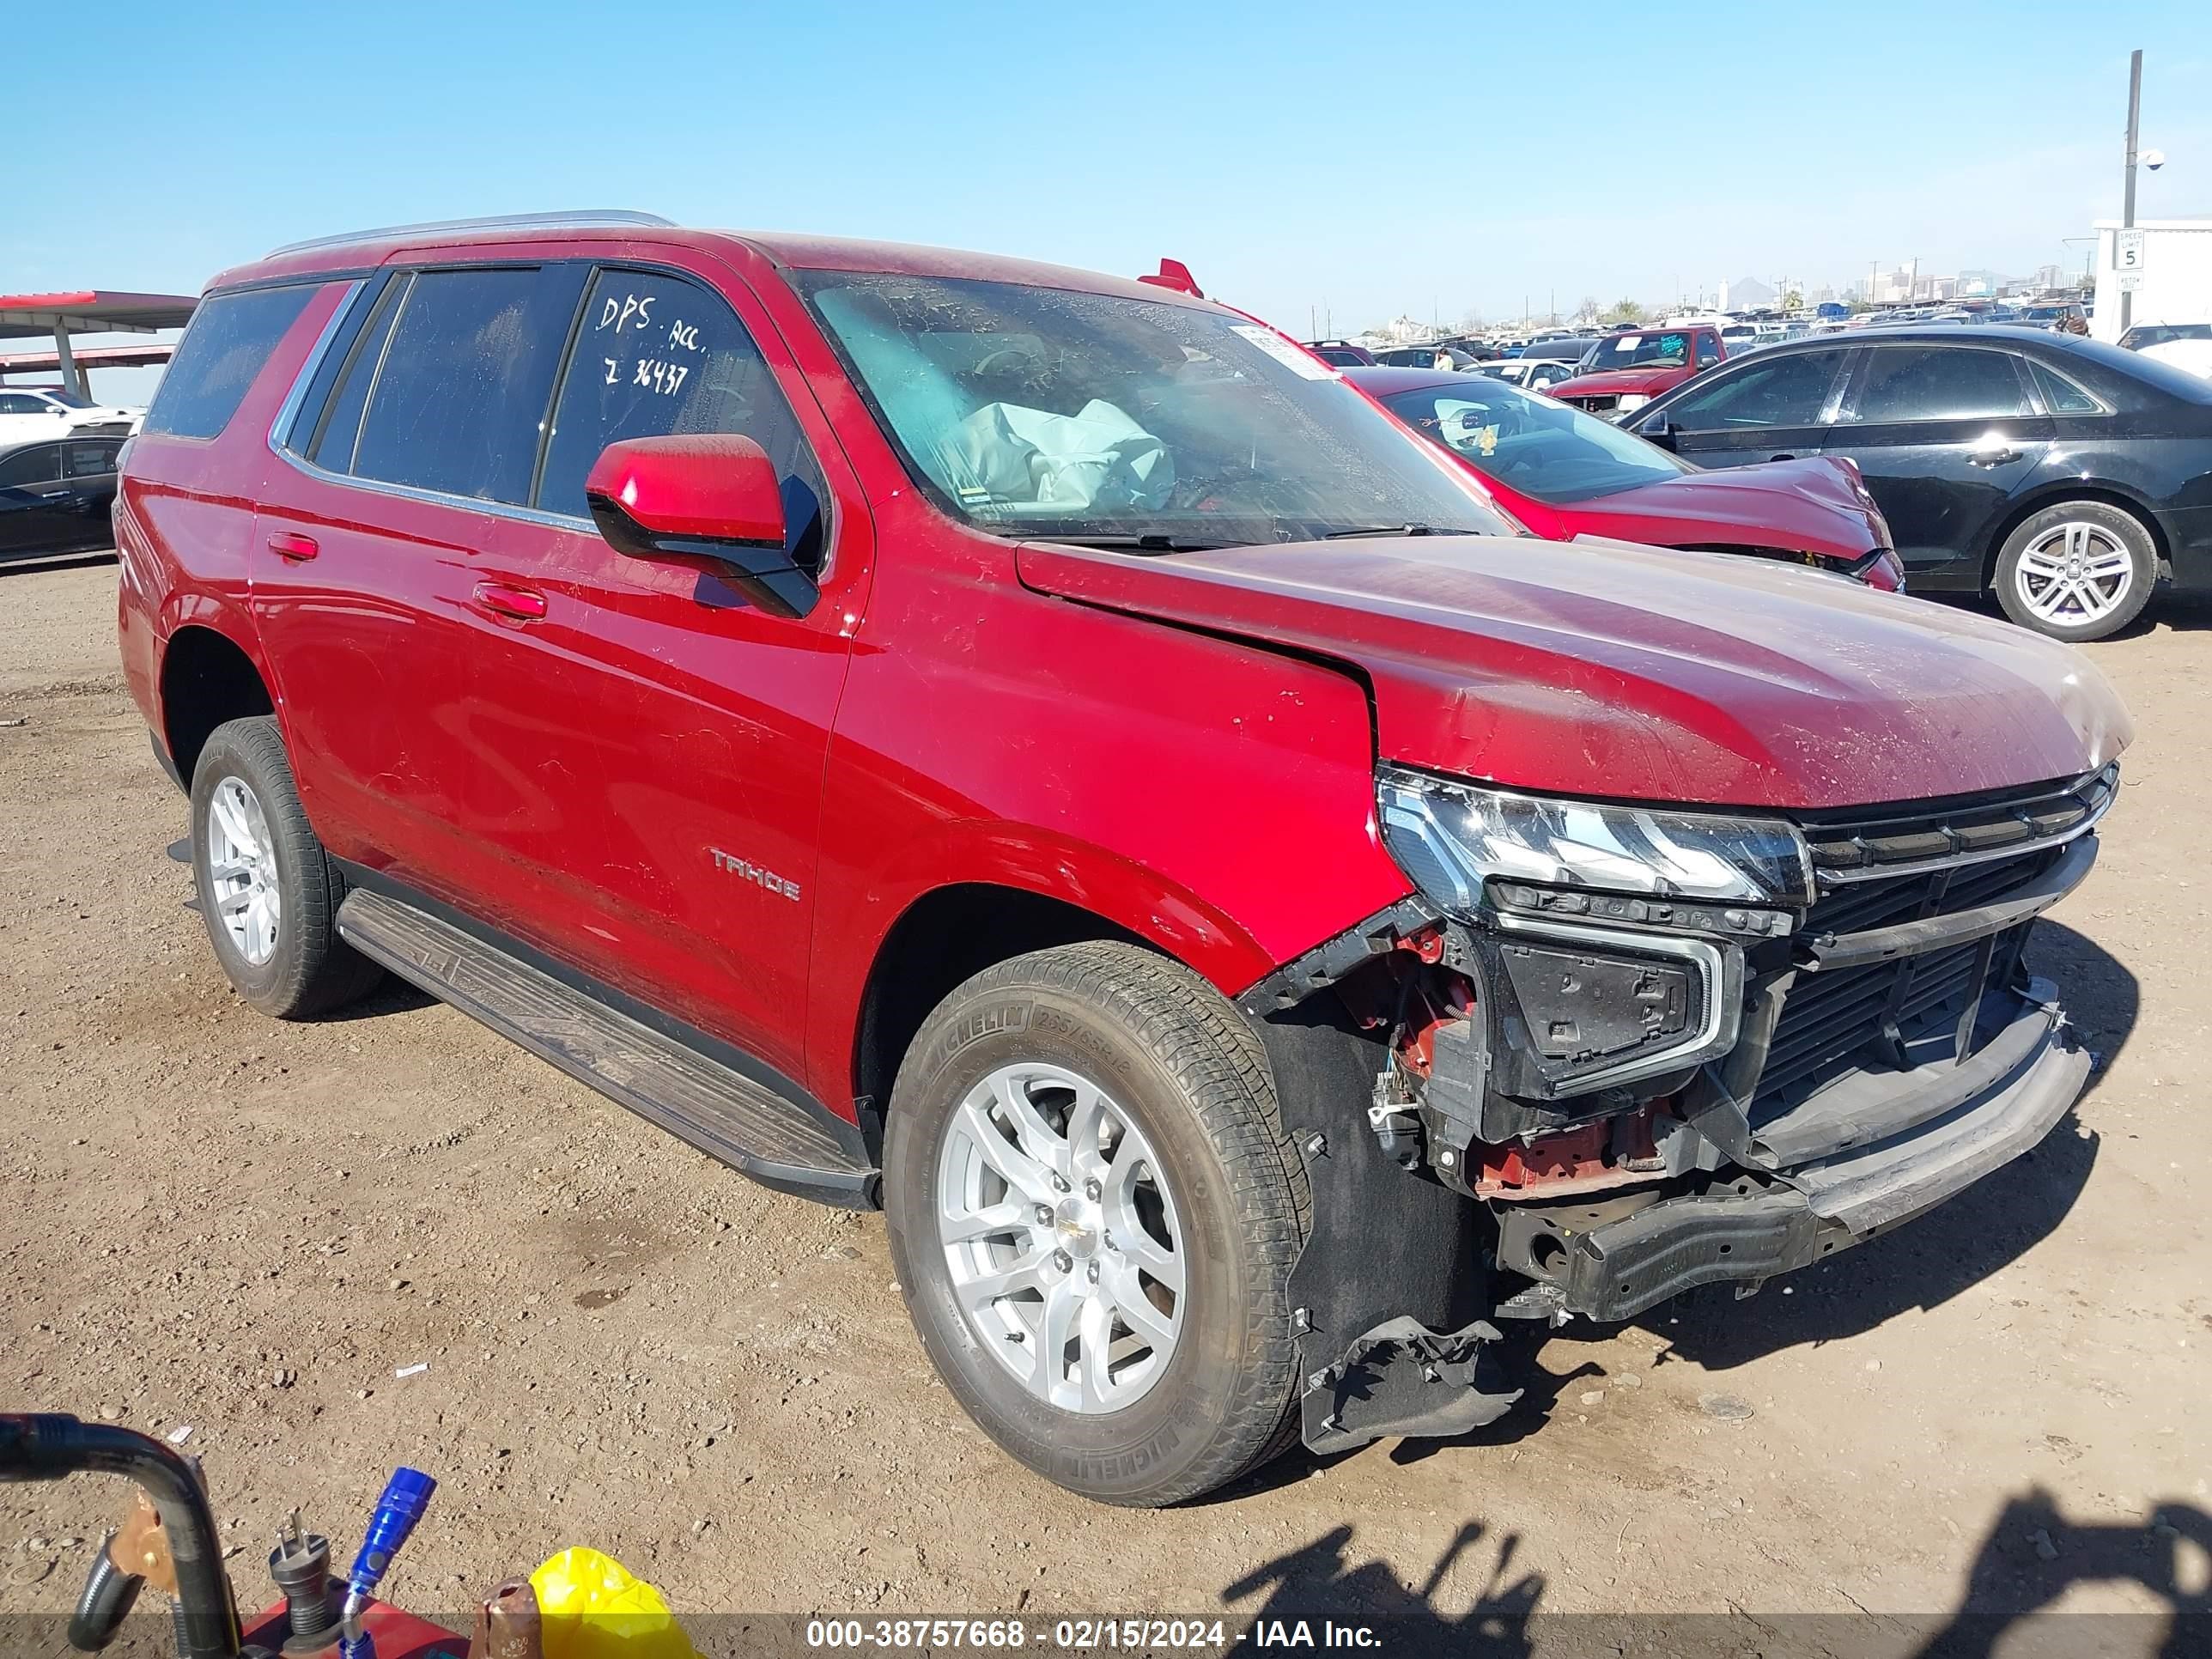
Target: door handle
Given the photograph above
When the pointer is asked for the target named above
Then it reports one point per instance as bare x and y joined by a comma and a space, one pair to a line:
289, 544
515, 603
1993, 457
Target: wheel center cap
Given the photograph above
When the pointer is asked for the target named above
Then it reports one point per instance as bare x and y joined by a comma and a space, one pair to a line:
1076, 1227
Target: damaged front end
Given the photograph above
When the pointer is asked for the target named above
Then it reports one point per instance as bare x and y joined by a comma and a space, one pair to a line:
1660, 1050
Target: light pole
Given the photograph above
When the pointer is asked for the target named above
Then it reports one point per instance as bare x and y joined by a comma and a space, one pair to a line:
2128, 198
2088, 257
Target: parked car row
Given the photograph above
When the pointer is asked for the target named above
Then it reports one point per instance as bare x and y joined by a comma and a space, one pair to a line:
31, 413
2064, 475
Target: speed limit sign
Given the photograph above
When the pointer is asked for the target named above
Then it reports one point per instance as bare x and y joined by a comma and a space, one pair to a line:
2127, 249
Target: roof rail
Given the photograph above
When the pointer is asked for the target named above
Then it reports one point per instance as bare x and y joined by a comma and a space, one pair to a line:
578, 219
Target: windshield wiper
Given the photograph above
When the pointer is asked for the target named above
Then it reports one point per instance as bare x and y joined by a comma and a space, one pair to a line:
1394, 529
1150, 542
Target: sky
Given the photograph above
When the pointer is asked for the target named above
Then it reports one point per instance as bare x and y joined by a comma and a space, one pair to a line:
1317, 164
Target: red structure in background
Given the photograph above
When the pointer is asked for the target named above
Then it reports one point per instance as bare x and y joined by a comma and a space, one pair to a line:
89, 311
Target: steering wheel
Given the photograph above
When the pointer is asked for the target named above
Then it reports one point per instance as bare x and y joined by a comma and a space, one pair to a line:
1006, 357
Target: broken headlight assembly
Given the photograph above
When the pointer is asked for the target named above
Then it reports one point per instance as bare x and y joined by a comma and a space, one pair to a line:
1608, 940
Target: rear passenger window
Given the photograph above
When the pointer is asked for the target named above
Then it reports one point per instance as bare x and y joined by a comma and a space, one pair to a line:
2060, 395
88, 460
1939, 383
456, 404
228, 341
656, 355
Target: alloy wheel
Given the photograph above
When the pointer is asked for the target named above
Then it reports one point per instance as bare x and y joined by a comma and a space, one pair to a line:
241, 864
1061, 1236
2075, 573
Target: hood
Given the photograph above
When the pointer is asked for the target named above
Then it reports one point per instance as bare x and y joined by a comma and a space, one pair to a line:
1613, 382
1808, 505
1630, 673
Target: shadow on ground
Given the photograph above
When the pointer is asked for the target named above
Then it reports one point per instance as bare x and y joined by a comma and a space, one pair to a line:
2029, 1558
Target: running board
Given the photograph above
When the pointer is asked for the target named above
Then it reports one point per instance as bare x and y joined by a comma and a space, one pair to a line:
779, 1142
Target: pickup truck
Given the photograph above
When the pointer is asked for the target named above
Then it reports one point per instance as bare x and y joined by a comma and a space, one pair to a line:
1624, 372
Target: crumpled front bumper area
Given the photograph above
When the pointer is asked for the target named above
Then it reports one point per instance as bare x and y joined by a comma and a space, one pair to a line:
1877, 1160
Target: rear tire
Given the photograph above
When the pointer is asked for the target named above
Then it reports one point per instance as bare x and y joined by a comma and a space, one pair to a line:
2077, 571
1118, 1320
268, 892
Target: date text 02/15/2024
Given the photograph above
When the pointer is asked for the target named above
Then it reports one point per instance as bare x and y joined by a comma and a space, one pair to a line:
1085, 1635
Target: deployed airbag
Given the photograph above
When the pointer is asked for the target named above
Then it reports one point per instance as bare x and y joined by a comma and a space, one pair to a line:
1006, 454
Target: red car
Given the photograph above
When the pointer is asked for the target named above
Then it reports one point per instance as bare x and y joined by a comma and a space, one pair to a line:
1037, 751
1627, 371
1564, 474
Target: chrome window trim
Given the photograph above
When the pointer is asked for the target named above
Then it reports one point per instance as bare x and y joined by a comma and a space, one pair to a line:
1724, 1002
437, 498
2011, 849
287, 412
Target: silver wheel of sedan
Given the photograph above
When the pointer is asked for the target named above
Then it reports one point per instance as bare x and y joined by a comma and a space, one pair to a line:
2075, 573
241, 864
1061, 1238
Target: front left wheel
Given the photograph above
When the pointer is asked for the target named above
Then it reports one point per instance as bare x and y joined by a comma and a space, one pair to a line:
268, 892
1094, 1211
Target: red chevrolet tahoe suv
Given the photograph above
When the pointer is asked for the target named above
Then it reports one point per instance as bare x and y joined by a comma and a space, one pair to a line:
1038, 752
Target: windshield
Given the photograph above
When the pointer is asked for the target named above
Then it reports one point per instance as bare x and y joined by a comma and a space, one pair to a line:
1550, 451
2151, 334
1053, 413
61, 394
1667, 349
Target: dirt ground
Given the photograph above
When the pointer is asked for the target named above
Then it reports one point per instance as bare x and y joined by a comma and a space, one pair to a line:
212, 1219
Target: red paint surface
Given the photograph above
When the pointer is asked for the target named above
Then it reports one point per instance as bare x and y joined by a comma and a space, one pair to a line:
702, 484
1644, 674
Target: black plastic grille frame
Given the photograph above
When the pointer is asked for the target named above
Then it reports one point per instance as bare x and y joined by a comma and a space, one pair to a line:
1914, 1009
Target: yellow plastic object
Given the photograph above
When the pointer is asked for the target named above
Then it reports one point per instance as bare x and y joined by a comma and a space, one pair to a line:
593, 1607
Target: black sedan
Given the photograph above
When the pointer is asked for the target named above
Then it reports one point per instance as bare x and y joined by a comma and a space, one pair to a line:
2066, 474
56, 495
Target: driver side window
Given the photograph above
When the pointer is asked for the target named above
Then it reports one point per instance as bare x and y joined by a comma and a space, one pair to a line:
655, 356
1784, 391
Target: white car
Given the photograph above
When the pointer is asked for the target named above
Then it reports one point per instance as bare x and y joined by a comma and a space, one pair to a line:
29, 413
1530, 374
2193, 354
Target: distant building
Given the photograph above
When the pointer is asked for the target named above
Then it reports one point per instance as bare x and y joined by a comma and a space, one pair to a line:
1404, 331
1745, 294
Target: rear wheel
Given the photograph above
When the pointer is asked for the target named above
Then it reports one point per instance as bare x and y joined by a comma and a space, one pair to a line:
2077, 571
1093, 1213
268, 892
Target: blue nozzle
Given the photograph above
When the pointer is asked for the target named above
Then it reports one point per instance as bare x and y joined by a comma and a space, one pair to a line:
406, 1495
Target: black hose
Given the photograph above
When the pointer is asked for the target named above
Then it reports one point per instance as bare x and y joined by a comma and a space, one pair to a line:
50, 1446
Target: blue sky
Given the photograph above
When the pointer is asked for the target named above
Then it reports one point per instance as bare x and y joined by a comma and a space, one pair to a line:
1369, 160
